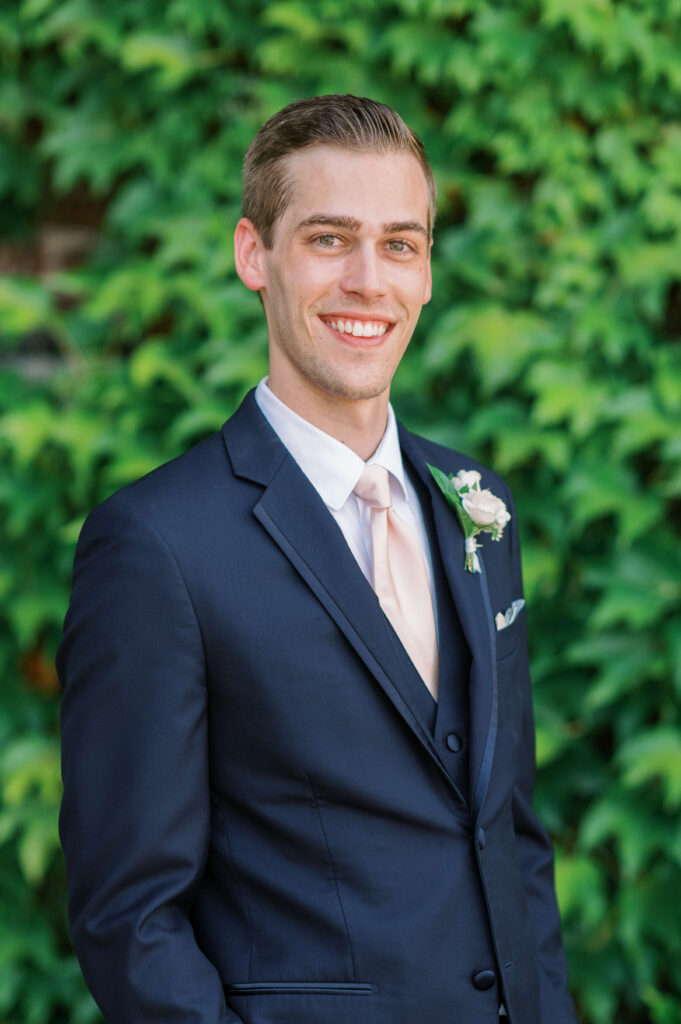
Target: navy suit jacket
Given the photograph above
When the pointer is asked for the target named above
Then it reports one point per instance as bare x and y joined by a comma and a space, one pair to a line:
258, 824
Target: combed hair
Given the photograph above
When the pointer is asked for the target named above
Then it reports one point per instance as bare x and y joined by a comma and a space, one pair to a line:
351, 122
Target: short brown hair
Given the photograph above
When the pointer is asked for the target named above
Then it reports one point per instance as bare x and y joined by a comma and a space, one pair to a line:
353, 122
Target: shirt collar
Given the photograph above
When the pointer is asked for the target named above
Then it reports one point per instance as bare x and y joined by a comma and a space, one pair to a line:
331, 467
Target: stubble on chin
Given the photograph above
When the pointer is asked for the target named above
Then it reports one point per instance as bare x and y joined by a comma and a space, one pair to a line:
351, 387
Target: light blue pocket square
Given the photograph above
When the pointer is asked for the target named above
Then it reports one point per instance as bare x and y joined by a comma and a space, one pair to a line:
504, 619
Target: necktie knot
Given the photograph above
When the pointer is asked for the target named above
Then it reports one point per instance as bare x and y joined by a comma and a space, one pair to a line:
374, 487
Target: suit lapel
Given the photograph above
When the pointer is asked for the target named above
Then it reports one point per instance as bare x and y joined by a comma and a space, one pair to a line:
471, 597
295, 517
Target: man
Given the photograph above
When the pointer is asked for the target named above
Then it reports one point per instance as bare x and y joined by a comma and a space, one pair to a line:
298, 748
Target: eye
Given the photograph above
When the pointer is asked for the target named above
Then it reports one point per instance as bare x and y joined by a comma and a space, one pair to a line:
398, 245
327, 241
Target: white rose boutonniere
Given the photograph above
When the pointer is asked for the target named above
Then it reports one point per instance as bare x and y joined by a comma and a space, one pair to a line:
478, 510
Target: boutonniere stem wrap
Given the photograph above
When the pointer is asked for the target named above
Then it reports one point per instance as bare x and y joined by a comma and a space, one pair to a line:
478, 510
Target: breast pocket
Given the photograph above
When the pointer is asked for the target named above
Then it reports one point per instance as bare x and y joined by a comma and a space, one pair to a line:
302, 1002
510, 628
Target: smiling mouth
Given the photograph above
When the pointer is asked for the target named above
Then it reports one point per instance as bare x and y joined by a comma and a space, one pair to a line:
358, 328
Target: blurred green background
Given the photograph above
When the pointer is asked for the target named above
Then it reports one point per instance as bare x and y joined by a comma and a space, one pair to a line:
551, 349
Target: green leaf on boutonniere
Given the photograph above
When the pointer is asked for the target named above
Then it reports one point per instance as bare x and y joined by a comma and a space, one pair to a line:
478, 511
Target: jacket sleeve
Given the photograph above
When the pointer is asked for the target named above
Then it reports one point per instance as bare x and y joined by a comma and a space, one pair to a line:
535, 853
134, 820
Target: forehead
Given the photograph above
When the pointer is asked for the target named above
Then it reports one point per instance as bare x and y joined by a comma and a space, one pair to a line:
374, 188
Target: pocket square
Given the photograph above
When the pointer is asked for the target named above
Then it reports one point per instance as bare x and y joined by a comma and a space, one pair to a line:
504, 619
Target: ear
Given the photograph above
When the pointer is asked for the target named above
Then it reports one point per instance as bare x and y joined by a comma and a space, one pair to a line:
429, 277
248, 248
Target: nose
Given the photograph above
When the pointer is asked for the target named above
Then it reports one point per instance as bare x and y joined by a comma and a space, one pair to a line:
363, 273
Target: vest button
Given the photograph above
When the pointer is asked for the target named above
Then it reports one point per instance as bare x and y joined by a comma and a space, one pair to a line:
484, 980
454, 742
482, 839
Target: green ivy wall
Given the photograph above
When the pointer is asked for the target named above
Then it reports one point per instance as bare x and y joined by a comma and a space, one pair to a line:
551, 349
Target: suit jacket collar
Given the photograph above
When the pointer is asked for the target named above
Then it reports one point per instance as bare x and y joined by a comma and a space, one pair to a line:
254, 450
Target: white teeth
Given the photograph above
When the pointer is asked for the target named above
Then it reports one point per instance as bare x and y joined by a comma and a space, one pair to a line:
359, 328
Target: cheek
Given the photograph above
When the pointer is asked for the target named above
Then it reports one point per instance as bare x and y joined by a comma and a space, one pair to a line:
413, 288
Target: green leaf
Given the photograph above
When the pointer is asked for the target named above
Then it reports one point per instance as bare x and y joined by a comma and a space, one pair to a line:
580, 889
24, 306
637, 829
37, 847
655, 755
171, 56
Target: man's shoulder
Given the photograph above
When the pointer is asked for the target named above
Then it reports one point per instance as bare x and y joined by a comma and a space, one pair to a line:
200, 462
175, 493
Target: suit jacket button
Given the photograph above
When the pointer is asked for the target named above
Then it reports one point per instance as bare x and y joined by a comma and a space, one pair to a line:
454, 742
484, 980
482, 839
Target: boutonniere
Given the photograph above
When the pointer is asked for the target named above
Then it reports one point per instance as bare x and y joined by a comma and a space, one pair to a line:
479, 511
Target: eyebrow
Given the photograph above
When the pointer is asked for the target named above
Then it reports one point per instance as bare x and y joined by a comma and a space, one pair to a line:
352, 224
400, 226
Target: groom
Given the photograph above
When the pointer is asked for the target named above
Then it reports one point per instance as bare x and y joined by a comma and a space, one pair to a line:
297, 730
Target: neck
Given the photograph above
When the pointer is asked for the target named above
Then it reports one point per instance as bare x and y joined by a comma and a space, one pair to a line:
359, 423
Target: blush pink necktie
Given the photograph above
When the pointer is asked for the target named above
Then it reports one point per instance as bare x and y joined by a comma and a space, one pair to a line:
399, 575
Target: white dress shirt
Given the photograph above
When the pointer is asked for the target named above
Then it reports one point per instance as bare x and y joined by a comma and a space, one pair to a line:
334, 470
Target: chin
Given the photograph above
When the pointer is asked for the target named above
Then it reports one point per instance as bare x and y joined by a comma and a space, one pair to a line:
355, 391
